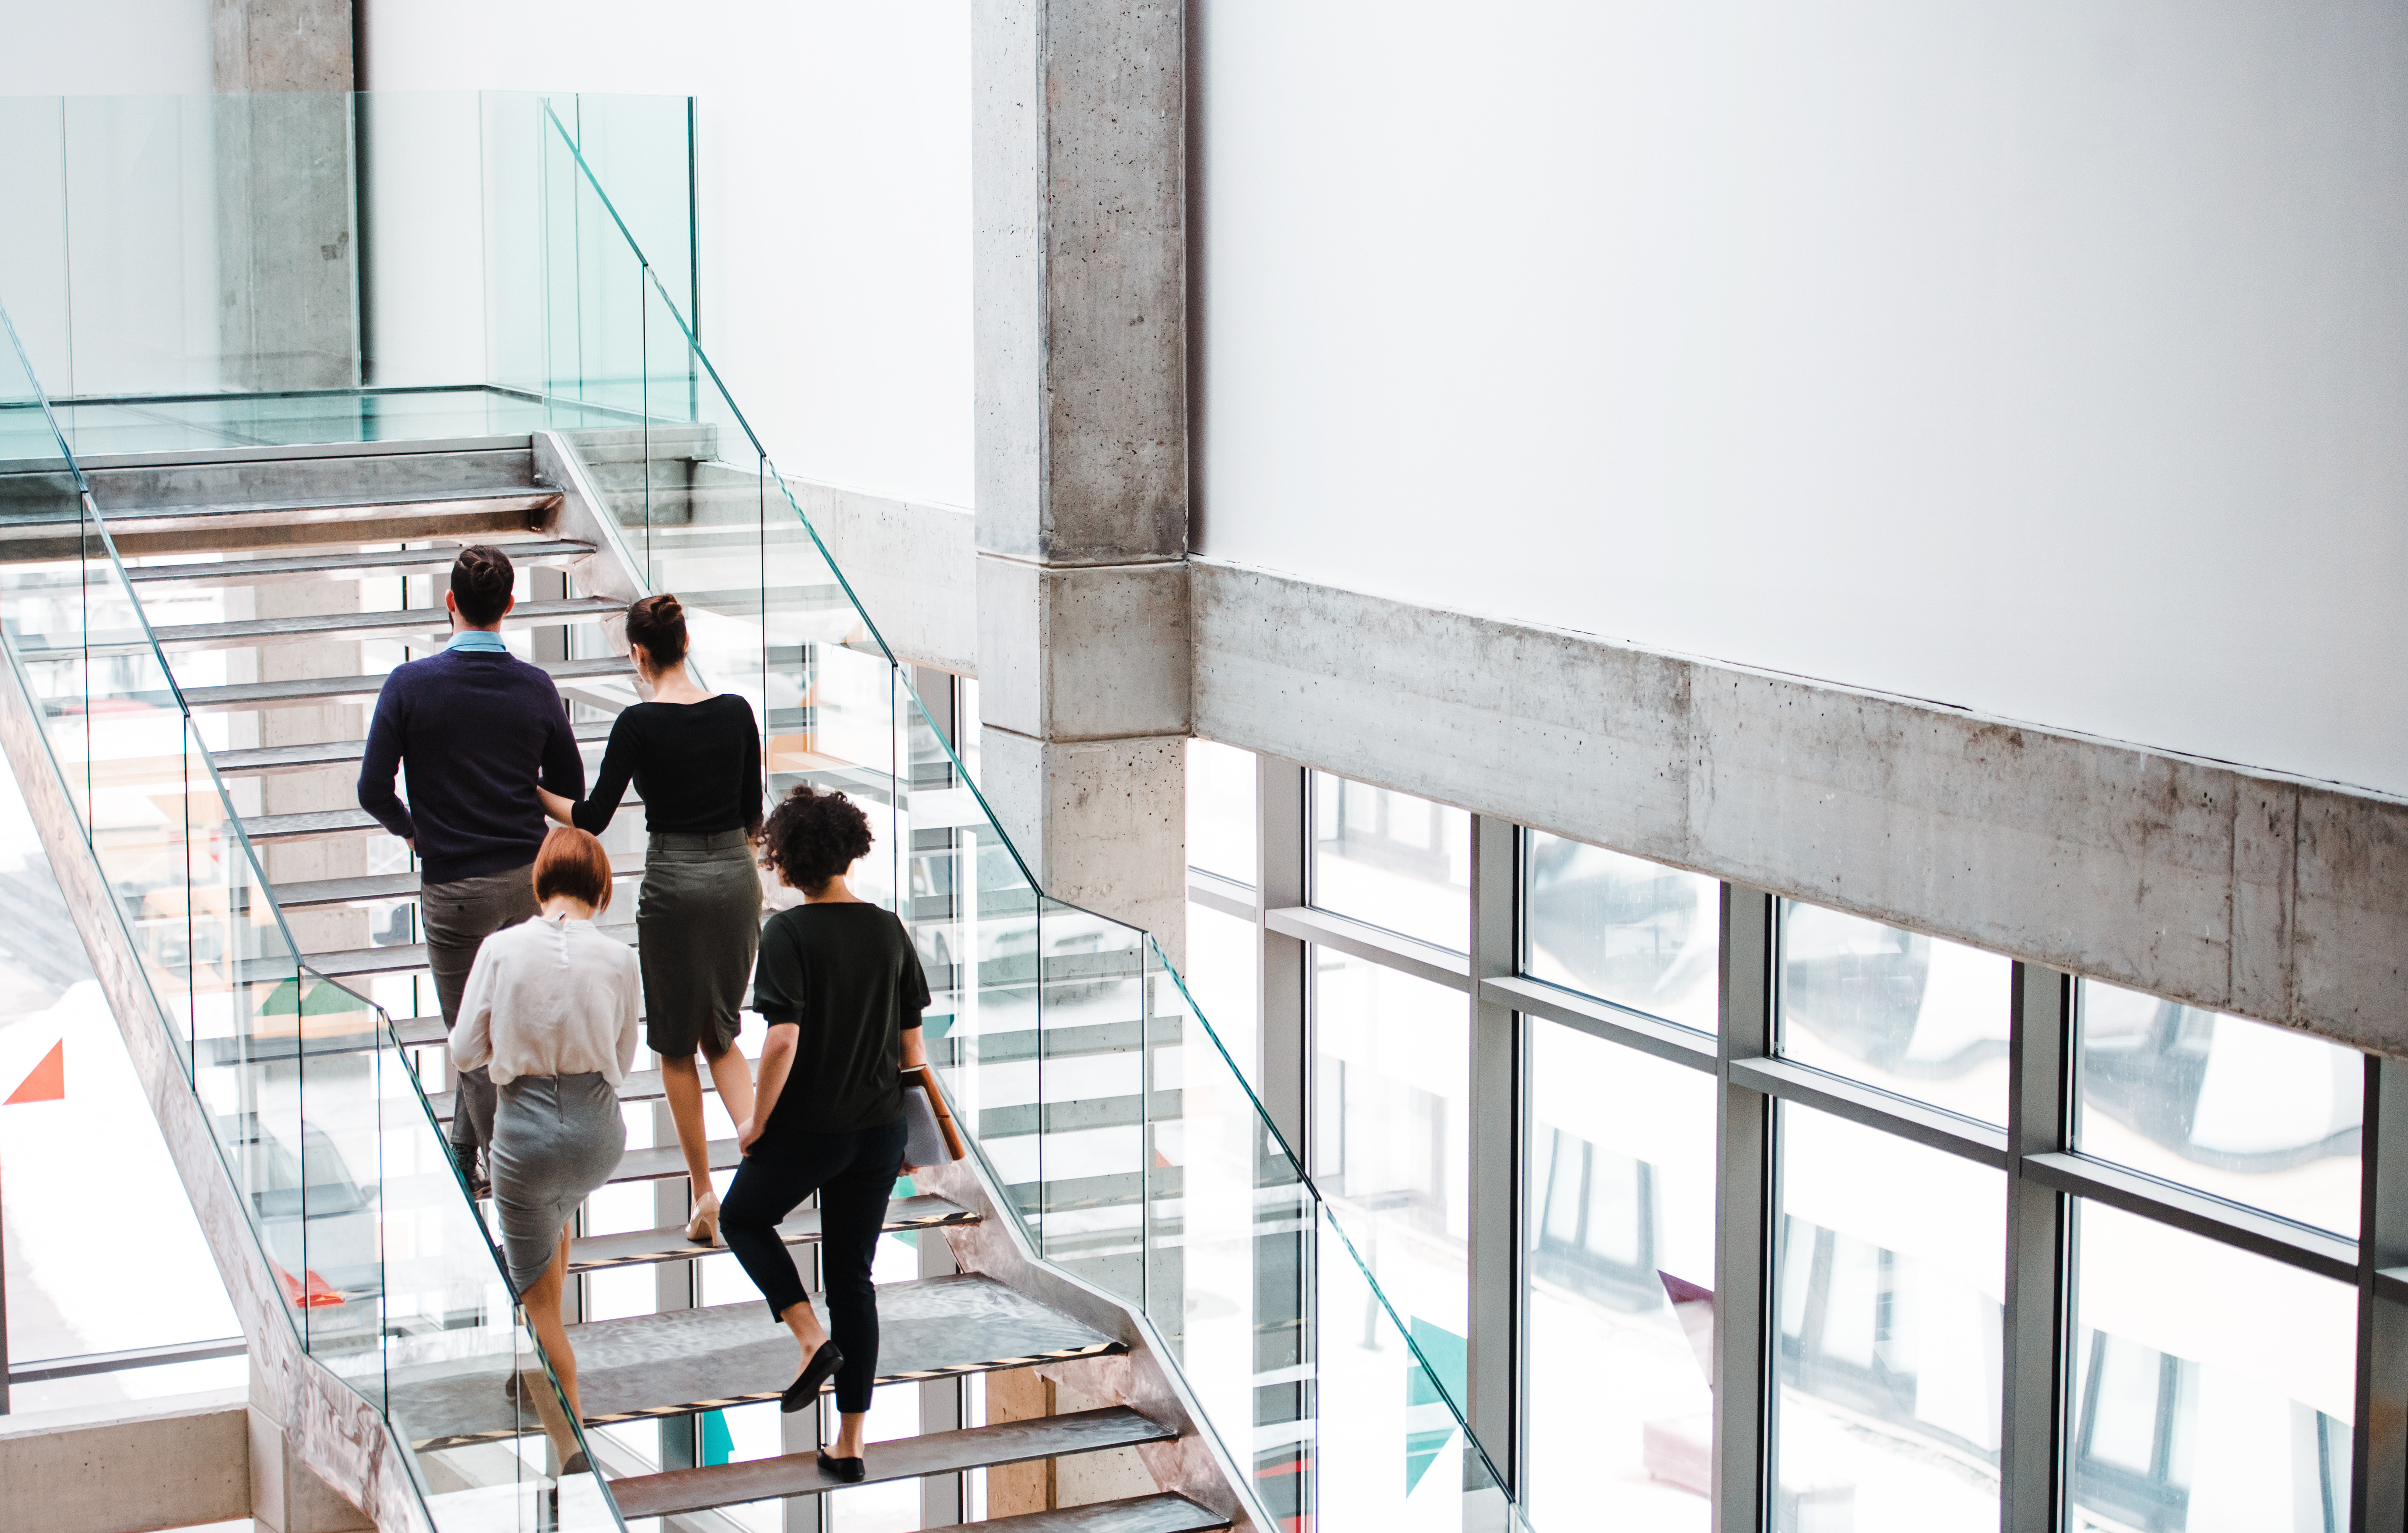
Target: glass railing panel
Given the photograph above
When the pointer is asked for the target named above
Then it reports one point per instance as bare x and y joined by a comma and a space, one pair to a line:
1229, 1250
384, 1268
1093, 1108
342, 1172
199, 272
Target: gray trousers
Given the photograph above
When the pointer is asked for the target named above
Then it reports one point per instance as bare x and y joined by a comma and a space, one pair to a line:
457, 917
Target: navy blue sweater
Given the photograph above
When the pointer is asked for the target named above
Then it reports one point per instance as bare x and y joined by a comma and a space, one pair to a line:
475, 729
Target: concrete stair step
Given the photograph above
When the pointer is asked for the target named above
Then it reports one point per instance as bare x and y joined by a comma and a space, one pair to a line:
903, 1458
326, 515
1162, 1513
303, 894
260, 760
650, 1246
259, 569
356, 963
680, 1361
250, 632
316, 690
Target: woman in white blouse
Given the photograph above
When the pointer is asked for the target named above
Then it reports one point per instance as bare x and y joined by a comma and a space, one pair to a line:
550, 1010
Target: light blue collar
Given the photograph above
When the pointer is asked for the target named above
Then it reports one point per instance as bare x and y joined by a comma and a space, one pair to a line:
482, 640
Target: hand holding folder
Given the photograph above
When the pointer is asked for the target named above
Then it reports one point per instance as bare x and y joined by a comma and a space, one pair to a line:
932, 1134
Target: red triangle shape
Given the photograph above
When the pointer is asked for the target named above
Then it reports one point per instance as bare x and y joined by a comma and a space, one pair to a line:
48, 1081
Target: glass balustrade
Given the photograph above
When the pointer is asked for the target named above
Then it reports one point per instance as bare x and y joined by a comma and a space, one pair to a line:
326, 1135
1103, 1112
1106, 1114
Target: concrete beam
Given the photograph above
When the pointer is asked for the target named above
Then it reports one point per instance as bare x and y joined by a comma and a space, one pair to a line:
1089, 653
2243, 892
128, 1466
913, 566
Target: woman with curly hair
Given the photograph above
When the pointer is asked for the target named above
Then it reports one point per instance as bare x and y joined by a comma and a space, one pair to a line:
841, 986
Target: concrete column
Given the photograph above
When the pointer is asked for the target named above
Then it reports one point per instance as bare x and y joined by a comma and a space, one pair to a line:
288, 261
1084, 649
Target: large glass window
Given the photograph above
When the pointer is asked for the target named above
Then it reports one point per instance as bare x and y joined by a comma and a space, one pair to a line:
1618, 1283
1220, 809
2266, 1116
1620, 928
2212, 1389
1390, 1131
1222, 954
1897, 1010
1890, 1276
1391, 860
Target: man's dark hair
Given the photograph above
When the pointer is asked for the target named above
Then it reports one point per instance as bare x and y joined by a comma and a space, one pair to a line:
812, 836
480, 584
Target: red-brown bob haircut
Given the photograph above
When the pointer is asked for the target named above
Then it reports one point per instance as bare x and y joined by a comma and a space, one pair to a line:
573, 863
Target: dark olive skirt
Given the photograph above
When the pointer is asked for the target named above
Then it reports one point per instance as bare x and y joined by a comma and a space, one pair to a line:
697, 929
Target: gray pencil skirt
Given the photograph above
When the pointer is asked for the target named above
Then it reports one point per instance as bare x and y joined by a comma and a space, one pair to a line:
697, 929
556, 1138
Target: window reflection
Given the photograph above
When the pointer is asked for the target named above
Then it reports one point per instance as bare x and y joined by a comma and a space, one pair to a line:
1391, 860
1390, 1132
2267, 1116
1895, 1008
1220, 809
1620, 928
1890, 1278
2213, 1388
1619, 1286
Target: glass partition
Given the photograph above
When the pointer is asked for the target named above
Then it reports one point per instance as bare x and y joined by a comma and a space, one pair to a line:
327, 1139
1105, 1112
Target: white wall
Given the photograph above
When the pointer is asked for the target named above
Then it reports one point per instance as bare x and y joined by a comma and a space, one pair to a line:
835, 187
2049, 359
106, 48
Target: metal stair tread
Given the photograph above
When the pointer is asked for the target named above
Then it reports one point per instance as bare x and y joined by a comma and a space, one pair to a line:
397, 958
246, 571
325, 508
680, 1361
641, 1086
286, 758
324, 689
650, 1247
304, 894
321, 626
661, 1161
1162, 1513
901, 1458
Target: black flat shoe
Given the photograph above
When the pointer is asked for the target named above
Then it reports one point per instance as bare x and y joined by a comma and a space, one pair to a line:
851, 1471
818, 1371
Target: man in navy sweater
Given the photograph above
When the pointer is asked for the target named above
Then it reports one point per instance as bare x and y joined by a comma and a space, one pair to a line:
476, 728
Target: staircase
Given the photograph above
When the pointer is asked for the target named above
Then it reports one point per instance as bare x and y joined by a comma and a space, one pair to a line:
281, 590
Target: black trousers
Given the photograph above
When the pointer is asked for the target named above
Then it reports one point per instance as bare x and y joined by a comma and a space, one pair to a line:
855, 1175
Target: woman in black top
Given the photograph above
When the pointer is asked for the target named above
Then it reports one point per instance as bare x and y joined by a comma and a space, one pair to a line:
696, 758
842, 989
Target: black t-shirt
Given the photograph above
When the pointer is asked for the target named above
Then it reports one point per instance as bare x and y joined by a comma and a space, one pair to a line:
847, 976
697, 764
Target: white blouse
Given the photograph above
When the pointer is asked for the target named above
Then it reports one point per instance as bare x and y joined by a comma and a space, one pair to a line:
550, 997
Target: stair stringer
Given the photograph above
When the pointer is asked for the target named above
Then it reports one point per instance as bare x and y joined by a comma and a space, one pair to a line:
336, 1433
1145, 1377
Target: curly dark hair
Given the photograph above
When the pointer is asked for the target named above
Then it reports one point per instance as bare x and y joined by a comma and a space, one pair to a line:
812, 836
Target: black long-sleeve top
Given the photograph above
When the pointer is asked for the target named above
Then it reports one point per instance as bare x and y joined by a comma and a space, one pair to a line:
698, 767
